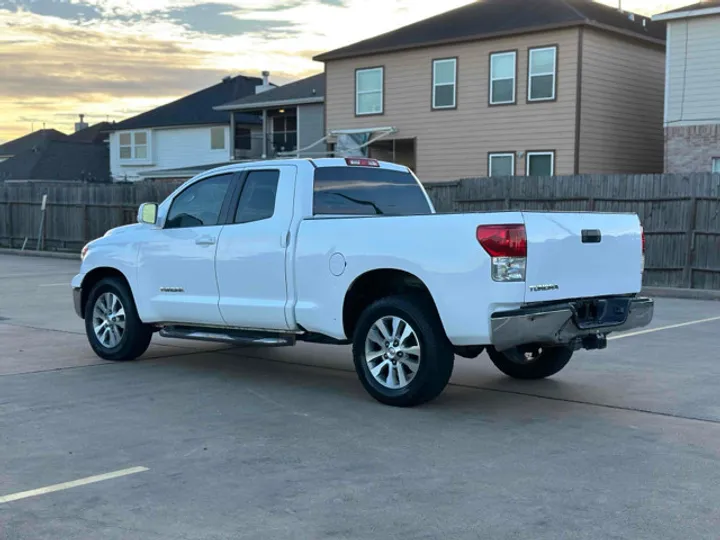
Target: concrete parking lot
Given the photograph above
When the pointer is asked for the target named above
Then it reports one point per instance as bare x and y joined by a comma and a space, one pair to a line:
200, 441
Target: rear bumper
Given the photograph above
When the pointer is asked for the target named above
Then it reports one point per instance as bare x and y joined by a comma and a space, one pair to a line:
560, 324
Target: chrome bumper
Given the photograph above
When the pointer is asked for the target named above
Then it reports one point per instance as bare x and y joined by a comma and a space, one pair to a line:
562, 324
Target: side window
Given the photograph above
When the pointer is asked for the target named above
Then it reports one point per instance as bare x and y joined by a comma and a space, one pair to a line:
542, 72
257, 200
200, 204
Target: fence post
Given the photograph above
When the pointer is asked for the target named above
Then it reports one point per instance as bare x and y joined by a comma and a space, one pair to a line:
690, 244
591, 204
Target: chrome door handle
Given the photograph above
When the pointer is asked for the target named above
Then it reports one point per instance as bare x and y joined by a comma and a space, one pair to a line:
205, 241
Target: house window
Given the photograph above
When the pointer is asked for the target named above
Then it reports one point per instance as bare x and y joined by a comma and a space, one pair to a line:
502, 78
243, 138
444, 83
716, 165
501, 164
540, 164
369, 91
542, 72
134, 145
284, 132
217, 138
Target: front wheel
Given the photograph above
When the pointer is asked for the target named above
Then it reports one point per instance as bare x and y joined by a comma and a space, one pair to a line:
530, 362
112, 325
401, 353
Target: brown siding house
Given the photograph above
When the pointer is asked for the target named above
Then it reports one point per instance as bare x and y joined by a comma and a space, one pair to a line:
505, 87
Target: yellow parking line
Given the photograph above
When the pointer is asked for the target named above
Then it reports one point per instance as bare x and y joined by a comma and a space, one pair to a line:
68, 485
669, 327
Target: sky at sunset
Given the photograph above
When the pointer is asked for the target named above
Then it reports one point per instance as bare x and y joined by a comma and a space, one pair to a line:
111, 59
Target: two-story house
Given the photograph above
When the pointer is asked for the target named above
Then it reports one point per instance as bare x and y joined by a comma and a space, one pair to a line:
692, 88
505, 87
187, 135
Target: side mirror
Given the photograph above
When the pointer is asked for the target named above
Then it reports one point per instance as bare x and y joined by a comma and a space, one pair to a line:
148, 213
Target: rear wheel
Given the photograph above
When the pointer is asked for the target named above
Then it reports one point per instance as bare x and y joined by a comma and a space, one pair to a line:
401, 353
530, 361
112, 325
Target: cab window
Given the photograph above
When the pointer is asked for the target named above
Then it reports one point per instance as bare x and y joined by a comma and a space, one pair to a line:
200, 204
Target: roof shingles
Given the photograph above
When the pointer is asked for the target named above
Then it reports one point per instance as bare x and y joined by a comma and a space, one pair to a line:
36, 139
310, 88
59, 160
484, 19
197, 108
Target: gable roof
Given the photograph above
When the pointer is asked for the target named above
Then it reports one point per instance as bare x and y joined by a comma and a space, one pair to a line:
485, 19
699, 9
94, 133
304, 91
59, 160
197, 108
32, 140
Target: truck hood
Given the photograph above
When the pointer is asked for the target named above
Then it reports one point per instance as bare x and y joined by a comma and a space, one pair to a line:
122, 229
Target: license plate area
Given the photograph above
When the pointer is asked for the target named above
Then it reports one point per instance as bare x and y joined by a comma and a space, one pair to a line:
599, 313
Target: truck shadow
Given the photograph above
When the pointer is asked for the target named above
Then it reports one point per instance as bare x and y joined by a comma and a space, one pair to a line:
324, 382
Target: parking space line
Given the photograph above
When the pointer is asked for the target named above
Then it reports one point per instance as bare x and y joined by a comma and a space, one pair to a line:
669, 327
69, 485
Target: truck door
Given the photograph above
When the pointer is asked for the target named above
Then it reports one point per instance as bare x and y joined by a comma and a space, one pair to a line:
251, 256
177, 263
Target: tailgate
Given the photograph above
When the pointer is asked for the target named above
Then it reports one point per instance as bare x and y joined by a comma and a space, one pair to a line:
582, 255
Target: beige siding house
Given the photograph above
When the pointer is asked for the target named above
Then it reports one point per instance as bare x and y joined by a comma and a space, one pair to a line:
692, 88
561, 87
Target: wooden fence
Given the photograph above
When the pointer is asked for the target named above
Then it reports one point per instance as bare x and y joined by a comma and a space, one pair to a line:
76, 213
680, 213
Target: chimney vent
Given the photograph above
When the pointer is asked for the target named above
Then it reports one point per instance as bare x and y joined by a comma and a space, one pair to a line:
265, 83
81, 124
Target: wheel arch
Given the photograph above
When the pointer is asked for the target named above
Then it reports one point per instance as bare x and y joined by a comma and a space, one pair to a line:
96, 275
376, 284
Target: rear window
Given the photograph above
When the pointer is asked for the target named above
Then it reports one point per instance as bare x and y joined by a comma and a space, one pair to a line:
367, 191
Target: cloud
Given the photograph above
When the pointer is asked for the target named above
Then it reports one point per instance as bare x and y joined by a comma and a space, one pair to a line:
219, 20
63, 9
336, 3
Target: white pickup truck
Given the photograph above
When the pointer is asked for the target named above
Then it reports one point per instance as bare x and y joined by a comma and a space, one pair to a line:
351, 251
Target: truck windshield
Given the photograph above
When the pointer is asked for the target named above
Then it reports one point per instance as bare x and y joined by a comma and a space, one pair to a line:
367, 191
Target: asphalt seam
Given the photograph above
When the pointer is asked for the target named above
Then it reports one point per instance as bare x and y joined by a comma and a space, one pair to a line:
514, 392
302, 364
111, 363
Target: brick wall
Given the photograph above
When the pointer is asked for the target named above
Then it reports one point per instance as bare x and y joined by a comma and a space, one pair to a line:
690, 149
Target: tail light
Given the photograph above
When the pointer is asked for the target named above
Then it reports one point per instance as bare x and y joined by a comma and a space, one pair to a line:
362, 162
642, 239
642, 235
507, 246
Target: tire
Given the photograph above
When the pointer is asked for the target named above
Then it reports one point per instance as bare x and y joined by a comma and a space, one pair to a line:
423, 357
113, 296
539, 364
